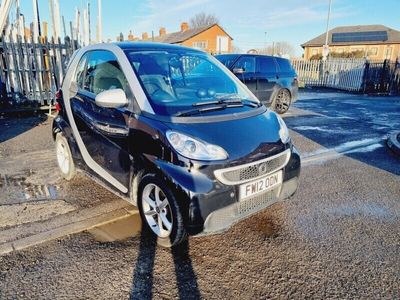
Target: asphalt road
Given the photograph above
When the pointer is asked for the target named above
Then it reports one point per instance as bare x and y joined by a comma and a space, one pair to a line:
338, 237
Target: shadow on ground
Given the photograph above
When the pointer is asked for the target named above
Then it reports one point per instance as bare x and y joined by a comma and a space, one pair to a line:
186, 279
15, 125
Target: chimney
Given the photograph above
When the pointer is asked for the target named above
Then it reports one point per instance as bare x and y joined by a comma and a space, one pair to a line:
145, 36
162, 31
184, 26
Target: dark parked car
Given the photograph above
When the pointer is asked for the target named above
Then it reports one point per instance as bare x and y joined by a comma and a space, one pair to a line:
272, 79
171, 130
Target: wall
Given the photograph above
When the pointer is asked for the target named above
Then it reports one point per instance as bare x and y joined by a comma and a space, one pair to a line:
380, 55
210, 36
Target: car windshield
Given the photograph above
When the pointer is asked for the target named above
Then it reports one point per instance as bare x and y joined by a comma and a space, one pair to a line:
176, 81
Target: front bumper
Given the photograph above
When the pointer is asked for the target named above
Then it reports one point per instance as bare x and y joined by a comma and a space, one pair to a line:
211, 206
221, 219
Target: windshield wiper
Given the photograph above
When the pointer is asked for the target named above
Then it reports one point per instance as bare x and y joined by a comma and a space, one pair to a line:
227, 101
222, 106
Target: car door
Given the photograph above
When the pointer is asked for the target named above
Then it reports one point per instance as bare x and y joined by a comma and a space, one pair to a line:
244, 69
267, 77
104, 131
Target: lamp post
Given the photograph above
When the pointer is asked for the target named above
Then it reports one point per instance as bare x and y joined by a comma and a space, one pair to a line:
325, 49
265, 42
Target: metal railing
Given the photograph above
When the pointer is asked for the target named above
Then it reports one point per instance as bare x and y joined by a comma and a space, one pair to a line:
32, 71
354, 75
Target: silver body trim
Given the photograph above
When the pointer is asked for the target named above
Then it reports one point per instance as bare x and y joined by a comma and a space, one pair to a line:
135, 88
219, 174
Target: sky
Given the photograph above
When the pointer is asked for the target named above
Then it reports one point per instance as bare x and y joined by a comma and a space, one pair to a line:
251, 23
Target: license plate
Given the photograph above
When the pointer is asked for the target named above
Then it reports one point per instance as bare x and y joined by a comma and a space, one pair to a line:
260, 185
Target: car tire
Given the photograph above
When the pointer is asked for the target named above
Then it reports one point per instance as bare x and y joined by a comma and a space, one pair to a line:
161, 219
282, 101
65, 161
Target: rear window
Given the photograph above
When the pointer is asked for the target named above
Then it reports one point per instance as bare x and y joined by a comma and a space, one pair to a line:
284, 65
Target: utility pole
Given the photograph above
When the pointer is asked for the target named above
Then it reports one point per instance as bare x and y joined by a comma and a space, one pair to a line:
265, 42
64, 28
4, 12
36, 22
99, 22
88, 23
19, 20
325, 49
53, 20
77, 24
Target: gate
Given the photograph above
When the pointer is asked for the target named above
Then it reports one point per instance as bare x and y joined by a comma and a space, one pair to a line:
354, 75
31, 72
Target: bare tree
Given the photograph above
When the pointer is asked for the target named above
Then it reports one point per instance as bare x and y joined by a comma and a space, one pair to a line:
279, 48
236, 49
202, 19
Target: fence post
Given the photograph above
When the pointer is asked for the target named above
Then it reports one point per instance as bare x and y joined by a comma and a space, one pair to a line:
383, 75
365, 76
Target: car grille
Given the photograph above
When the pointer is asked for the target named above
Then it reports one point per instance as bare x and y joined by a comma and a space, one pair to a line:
221, 219
255, 203
247, 172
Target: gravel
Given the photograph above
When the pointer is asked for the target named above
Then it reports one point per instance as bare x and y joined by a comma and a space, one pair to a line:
338, 237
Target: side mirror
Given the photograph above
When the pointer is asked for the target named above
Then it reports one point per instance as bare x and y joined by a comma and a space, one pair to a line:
238, 70
111, 98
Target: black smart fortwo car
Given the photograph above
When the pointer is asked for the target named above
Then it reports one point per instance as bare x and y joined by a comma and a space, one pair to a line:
171, 130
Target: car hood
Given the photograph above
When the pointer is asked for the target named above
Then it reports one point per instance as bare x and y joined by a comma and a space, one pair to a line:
244, 139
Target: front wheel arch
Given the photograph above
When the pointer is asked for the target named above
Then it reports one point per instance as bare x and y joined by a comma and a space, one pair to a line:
178, 232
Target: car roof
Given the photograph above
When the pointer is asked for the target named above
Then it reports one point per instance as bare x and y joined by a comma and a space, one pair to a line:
152, 46
251, 54
247, 54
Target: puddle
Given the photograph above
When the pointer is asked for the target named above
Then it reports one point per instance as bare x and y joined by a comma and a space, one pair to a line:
118, 230
20, 187
264, 227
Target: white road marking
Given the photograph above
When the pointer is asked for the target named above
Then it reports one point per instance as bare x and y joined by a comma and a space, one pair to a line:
357, 146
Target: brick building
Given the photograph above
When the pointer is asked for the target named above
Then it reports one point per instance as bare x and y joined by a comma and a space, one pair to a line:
375, 42
212, 38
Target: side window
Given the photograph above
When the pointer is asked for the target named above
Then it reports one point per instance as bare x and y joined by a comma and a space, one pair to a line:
247, 63
104, 73
284, 65
80, 71
266, 64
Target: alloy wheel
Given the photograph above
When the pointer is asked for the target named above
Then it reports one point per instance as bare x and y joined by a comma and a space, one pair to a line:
282, 101
157, 210
63, 157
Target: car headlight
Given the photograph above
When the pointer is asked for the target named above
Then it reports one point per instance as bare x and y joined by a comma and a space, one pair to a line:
195, 149
283, 130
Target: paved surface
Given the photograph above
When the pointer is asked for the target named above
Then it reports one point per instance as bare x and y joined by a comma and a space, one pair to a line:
33, 197
338, 237
349, 121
